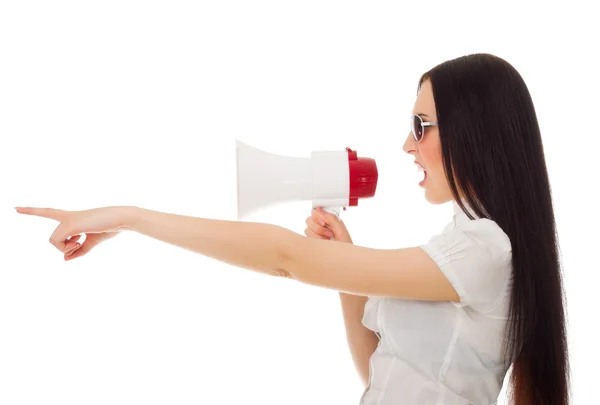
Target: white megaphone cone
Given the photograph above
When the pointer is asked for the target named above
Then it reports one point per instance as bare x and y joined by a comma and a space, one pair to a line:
330, 179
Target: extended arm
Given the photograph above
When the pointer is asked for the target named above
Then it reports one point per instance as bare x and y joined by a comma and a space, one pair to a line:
253, 246
404, 273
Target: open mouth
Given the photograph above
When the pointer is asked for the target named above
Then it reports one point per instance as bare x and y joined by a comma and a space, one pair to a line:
421, 169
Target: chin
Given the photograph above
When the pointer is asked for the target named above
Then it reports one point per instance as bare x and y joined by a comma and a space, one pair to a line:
435, 198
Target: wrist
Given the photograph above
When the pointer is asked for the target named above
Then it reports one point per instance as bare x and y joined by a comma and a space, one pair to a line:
129, 217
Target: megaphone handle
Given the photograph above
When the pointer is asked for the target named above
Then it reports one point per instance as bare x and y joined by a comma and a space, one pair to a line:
333, 210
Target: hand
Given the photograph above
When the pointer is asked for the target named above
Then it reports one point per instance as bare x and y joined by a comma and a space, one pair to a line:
99, 224
324, 225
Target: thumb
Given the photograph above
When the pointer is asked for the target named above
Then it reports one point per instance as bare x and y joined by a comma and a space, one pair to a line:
60, 235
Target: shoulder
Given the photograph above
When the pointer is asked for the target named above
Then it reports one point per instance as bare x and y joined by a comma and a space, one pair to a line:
487, 228
480, 235
475, 256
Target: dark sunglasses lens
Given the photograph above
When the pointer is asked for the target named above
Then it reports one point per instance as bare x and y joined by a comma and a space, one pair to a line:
417, 128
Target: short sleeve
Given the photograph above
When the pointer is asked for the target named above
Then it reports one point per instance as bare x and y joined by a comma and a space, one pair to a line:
476, 259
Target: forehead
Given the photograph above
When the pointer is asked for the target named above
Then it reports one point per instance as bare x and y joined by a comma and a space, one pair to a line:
425, 104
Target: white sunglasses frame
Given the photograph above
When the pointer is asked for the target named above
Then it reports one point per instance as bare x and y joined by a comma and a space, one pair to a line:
423, 125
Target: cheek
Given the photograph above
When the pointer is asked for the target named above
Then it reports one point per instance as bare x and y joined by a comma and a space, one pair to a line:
432, 159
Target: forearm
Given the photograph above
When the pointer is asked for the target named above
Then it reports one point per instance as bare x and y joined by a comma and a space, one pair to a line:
361, 340
253, 246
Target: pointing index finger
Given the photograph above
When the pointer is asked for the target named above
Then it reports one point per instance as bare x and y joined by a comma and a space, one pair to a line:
41, 212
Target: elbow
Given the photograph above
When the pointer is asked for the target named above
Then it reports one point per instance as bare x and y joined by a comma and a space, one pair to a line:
289, 245
282, 273
283, 256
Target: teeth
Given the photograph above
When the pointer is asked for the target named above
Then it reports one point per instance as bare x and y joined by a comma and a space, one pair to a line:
421, 171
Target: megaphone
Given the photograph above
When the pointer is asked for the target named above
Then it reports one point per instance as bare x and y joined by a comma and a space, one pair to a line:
332, 180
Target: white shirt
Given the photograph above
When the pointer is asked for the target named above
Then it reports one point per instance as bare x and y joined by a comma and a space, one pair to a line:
443, 352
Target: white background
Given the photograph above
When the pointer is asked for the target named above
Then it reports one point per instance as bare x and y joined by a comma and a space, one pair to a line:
140, 103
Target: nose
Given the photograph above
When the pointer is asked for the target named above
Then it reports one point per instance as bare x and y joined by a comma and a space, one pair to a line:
409, 144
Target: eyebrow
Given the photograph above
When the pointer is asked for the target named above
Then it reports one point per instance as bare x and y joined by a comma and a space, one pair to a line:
424, 115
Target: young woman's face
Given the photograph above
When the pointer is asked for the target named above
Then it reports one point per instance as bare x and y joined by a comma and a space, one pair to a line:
428, 152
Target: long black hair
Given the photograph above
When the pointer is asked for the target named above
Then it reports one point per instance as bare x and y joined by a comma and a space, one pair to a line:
493, 157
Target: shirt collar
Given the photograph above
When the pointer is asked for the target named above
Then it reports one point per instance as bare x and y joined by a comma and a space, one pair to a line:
461, 217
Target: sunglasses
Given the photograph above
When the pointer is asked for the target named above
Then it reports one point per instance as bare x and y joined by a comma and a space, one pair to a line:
417, 127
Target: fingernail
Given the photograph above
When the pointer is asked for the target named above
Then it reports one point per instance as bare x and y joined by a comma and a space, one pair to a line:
329, 234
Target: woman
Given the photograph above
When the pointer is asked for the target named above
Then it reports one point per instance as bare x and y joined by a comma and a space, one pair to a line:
439, 323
